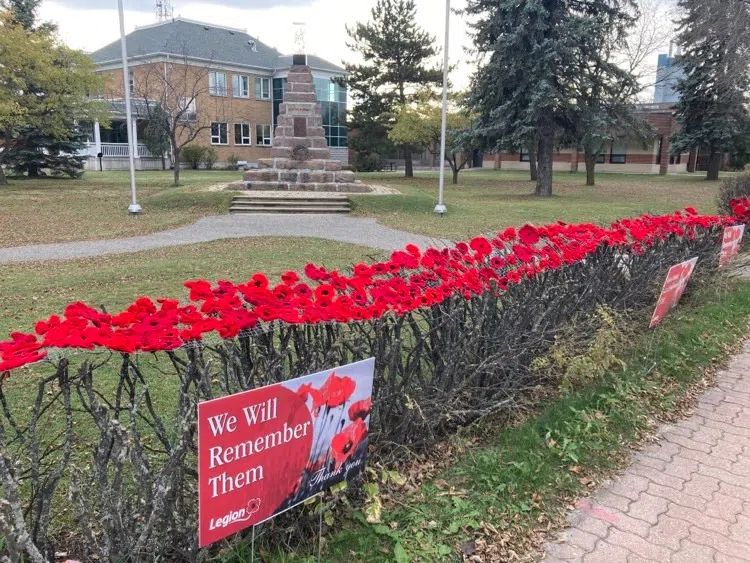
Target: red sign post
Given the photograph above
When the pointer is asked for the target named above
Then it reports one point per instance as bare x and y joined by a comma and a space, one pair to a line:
730, 247
674, 286
265, 451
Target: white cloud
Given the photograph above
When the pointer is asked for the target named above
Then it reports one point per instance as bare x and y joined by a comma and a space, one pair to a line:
86, 27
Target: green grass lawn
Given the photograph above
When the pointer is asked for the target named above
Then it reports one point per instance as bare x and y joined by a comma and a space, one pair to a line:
488, 200
33, 291
96, 205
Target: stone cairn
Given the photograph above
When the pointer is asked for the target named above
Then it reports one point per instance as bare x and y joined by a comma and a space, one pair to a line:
301, 159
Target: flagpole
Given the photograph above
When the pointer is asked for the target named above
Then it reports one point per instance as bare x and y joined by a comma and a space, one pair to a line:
440, 208
134, 208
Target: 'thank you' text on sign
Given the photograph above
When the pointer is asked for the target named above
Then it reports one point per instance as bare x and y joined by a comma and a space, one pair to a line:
264, 451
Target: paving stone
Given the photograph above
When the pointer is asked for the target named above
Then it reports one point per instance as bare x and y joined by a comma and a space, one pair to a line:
564, 551
629, 486
719, 542
685, 498
703, 486
579, 538
669, 532
638, 546
707, 459
607, 553
648, 507
726, 508
692, 553
677, 497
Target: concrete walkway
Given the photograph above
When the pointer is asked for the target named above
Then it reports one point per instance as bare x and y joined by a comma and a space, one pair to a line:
355, 230
685, 498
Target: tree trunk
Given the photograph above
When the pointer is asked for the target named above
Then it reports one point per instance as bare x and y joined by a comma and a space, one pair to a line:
714, 166
3, 180
455, 176
33, 172
177, 170
590, 168
544, 161
532, 163
408, 163
163, 162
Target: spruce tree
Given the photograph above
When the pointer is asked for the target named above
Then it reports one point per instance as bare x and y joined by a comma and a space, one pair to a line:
534, 53
396, 53
713, 109
36, 152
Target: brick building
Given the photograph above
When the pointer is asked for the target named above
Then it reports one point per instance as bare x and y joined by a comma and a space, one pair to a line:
618, 156
230, 83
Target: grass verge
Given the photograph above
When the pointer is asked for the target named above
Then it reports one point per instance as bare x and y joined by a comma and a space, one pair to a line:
498, 501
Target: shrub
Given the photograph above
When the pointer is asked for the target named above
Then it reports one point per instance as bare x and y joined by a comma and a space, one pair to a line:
210, 157
734, 187
233, 161
455, 333
368, 162
193, 155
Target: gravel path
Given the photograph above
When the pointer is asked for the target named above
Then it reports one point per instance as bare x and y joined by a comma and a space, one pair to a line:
355, 230
685, 498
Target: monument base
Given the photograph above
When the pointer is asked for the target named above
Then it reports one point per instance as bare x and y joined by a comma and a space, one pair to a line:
300, 158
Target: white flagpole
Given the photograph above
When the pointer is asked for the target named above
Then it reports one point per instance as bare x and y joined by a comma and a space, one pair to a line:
134, 208
440, 208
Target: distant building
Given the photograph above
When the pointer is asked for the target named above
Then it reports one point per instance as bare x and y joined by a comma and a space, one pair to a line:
235, 101
668, 74
620, 155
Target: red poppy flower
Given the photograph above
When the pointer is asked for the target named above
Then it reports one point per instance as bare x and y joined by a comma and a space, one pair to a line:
360, 409
346, 442
528, 235
337, 390
481, 246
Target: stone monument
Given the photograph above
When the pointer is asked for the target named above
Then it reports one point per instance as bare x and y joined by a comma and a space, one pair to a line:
301, 159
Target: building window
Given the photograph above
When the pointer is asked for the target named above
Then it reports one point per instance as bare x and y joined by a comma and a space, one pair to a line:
659, 148
217, 83
263, 135
131, 82
240, 86
675, 158
219, 134
187, 109
263, 88
619, 152
525, 155
241, 134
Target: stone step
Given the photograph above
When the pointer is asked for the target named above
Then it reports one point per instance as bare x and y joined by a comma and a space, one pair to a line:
292, 200
306, 204
288, 210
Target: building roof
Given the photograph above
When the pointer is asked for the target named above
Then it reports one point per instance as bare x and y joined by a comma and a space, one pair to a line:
180, 37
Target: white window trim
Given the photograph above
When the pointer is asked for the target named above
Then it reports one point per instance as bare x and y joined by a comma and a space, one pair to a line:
226, 125
264, 80
215, 91
249, 135
270, 136
239, 78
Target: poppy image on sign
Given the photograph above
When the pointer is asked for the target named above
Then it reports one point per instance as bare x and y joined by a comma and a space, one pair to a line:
269, 449
674, 286
731, 244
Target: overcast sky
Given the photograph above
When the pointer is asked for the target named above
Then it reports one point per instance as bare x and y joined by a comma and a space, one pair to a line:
90, 24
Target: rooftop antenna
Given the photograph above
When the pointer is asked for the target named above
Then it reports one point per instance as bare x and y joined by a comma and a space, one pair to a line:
164, 10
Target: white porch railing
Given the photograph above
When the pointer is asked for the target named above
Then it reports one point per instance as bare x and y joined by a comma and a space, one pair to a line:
117, 150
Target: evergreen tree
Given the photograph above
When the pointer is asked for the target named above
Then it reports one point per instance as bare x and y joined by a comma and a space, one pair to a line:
534, 52
43, 84
396, 53
713, 102
36, 152
156, 135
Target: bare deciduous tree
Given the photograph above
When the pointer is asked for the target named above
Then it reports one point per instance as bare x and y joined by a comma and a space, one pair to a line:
178, 86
